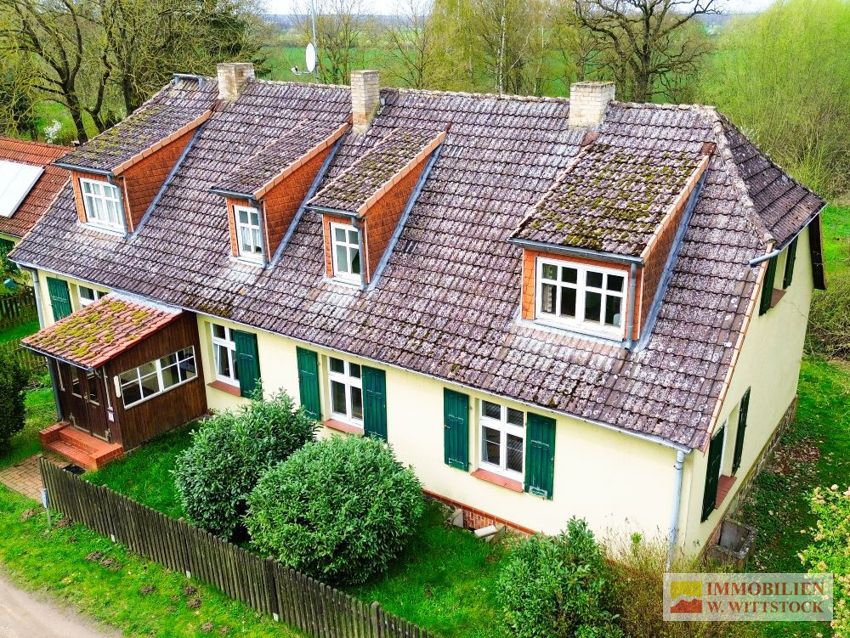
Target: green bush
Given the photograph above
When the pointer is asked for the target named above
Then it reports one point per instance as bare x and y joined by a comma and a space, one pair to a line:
340, 509
229, 453
829, 321
830, 551
558, 587
13, 382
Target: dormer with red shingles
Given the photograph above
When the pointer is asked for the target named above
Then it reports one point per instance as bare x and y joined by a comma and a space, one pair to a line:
264, 195
117, 175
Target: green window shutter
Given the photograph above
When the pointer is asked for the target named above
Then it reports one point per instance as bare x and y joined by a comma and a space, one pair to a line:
712, 474
790, 260
374, 402
456, 432
308, 382
767, 287
60, 298
247, 361
539, 455
742, 428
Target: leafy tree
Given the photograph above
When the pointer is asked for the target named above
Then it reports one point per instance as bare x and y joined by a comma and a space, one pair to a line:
340, 509
229, 453
13, 382
558, 587
412, 42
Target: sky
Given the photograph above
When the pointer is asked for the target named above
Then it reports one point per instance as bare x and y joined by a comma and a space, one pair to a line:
388, 7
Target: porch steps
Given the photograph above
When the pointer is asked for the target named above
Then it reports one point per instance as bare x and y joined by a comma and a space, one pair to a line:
78, 447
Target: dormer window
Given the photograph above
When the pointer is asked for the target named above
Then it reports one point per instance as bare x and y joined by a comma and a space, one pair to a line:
102, 202
346, 252
249, 231
587, 298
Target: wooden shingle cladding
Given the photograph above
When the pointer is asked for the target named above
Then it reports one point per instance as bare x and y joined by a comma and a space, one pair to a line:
446, 303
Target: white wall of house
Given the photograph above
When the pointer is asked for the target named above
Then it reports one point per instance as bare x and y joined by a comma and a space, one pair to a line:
769, 364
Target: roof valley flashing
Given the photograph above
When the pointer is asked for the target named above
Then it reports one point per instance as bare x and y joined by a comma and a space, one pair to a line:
445, 303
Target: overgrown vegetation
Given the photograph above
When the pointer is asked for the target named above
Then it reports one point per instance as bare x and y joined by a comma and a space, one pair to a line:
559, 587
230, 451
13, 382
341, 509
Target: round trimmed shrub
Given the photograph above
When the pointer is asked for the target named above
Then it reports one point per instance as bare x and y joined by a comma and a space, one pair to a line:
13, 382
229, 453
340, 509
558, 587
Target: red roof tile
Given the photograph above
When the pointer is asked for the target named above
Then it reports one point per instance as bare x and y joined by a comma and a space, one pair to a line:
99, 332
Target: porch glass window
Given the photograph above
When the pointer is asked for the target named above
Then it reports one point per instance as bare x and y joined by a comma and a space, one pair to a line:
580, 297
502, 440
346, 252
249, 233
102, 202
92, 388
346, 391
88, 295
156, 377
76, 383
224, 355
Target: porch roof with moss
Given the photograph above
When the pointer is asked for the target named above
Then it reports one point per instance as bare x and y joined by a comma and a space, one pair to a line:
97, 333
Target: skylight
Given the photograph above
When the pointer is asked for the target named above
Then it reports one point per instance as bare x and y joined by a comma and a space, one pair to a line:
16, 181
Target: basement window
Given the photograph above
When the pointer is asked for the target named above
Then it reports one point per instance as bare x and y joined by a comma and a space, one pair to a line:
345, 241
580, 297
249, 232
102, 202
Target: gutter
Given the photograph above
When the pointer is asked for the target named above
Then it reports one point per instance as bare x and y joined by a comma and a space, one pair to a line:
650, 438
676, 510
787, 242
84, 169
576, 252
232, 194
332, 211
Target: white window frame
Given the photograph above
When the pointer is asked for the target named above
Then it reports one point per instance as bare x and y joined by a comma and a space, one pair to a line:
579, 323
84, 301
102, 193
336, 246
123, 385
229, 345
504, 427
349, 381
252, 251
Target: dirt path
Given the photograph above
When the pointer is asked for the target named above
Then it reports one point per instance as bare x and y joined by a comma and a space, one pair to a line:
26, 615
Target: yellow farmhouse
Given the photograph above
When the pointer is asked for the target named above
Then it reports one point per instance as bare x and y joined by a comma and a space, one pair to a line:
548, 307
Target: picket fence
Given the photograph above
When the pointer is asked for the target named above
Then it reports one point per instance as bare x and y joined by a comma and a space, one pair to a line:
33, 363
18, 308
300, 601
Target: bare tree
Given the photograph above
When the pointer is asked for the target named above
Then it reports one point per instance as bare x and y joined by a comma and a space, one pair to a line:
647, 39
340, 26
411, 41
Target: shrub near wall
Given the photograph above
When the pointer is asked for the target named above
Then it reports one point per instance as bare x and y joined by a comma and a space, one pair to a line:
340, 510
13, 381
229, 453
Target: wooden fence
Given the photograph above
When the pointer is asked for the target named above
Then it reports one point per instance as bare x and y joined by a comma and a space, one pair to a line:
33, 363
298, 600
18, 308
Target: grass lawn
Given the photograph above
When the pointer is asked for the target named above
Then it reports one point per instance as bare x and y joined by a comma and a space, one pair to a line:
16, 333
41, 412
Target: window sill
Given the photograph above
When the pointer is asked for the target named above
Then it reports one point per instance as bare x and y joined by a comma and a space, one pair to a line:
724, 486
339, 426
226, 387
496, 479
776, 297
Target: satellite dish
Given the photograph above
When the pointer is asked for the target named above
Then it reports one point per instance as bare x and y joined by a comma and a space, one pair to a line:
310, 58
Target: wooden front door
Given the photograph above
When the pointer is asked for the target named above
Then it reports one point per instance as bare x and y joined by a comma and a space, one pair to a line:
83, 398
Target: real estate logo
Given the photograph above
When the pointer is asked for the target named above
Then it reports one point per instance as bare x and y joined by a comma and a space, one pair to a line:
748, 597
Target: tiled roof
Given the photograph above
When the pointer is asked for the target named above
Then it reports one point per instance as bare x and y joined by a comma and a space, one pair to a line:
45, 189
280, 157
100, 331
611, 198
169, 113
377, 169
783, 205
446, 303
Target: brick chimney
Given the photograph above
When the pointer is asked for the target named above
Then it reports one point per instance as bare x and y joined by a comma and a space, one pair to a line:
232, 76
365, 97
588, 101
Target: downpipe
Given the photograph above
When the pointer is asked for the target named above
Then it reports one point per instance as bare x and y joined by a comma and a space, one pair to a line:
678, 466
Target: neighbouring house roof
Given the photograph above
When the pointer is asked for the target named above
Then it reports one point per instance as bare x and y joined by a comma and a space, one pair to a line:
271, 164
44, 190
446, 303
611, 198
99, 332
178, 108
378, 169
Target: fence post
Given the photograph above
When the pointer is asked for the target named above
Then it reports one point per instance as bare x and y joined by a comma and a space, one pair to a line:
375, 619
